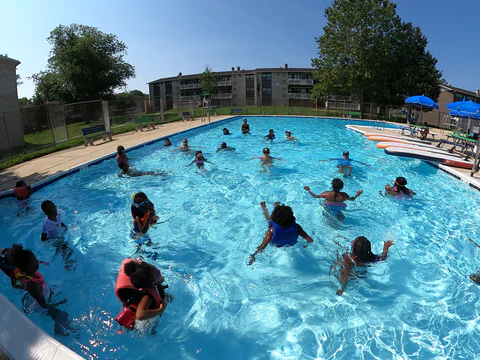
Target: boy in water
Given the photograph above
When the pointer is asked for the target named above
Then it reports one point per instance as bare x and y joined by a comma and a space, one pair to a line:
245, 127
54, 228
344, 164
270, 136
223, 146
144, 215
266, 160
282, 229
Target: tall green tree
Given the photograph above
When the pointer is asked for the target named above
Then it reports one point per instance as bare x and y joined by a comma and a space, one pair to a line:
208, 81
84, 64
366, 50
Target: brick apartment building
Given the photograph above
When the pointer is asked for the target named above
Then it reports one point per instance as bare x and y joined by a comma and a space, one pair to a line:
239, 87
11, 131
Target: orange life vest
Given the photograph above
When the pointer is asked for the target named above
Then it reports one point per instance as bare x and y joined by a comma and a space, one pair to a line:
21, 193
124, 283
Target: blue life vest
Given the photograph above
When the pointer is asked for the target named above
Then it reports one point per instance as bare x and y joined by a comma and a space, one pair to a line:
284, 237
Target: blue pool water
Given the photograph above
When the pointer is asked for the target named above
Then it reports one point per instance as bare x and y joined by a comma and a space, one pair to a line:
417, 304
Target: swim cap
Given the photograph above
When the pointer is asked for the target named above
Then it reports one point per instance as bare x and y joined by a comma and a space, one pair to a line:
288, 132
266, 150
346, 153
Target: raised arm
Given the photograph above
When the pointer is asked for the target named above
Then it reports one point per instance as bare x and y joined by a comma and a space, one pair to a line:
359, 192
268, 237
386, 246
311, 193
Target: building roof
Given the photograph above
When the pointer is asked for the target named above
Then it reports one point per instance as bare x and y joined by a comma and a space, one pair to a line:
229, 72
458, 90
5, 58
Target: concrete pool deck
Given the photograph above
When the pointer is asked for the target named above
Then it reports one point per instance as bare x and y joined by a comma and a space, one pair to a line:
42, 168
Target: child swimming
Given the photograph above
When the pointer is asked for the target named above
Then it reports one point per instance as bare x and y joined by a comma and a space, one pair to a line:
245, 127
344, 164
144, 216
199, 161
282, 229
399, 189
270, 136
266, 161
288, 135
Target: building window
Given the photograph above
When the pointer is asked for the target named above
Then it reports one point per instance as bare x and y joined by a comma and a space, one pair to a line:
249, 77
267, 91
266, 76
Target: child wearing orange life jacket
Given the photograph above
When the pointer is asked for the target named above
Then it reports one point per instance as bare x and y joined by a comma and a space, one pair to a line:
22, 192
143, 214
139, 288
26, 272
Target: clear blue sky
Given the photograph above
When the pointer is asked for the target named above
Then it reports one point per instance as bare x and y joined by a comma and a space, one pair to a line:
169, 36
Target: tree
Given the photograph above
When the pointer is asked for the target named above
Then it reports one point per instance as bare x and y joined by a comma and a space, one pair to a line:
366, 50
208, 81
85, 64
25, 101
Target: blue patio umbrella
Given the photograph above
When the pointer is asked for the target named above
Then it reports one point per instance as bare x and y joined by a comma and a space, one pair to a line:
422, 101
465, 114
465, 106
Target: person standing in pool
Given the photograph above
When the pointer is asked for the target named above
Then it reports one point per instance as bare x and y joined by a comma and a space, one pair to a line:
144, 216
185, 147
121, 157
22, 193
245, 127
26, 273
344, 164
399, 189
200, 161
335, 199
53, 229
270, 136
266, 160
360, 255
282, 229
288, 135
139, 288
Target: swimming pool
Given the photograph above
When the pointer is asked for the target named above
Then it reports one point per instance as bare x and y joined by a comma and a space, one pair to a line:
418, 304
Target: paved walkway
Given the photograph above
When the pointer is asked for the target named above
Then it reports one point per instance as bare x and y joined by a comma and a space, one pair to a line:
43, 167
39, 169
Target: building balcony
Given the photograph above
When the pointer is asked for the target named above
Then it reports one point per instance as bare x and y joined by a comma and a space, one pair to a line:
340, 98
222, 96
189, 86
300, 82
190, 97
224, 83
299, 96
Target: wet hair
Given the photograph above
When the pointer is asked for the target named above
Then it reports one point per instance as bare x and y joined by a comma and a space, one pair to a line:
198, 153
283, 216
225, 129
20, 183
139, 197
362, 249
123, 166
271, 130
186, 140
120, 149
401, 183
45, 205
167, 141
140, 274
337, 185
24, 259
223, 145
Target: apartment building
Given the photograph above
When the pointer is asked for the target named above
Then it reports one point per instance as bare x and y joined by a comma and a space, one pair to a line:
239, 87
447, 95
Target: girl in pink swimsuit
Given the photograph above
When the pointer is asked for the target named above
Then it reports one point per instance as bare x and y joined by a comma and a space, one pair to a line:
199, 161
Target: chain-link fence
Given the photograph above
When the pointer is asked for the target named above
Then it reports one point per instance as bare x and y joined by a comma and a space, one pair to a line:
56, 125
